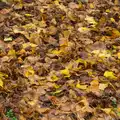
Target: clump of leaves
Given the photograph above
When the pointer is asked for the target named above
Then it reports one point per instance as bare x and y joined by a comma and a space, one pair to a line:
10, 114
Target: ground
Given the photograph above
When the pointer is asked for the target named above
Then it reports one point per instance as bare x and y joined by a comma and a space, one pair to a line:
59, 60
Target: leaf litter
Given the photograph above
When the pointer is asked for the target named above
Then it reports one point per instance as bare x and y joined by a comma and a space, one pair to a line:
59, 59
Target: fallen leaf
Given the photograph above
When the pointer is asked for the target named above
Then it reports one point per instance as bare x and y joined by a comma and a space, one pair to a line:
7, 39
1, 83
83, 29
83, 87
109, 74
65, 72
102, 86
12, 52
91, 20
107, 110
29, 71
91, 5
118, 55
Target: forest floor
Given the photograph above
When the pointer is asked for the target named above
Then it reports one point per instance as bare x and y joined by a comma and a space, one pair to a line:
60, 60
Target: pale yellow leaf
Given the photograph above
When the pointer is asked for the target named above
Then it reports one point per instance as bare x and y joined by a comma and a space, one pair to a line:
91, 20
102, 86
83, 29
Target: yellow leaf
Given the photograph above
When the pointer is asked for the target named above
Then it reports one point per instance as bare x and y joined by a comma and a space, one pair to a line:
118, 55
56, 52
91, 20
29, 72
108, 10
57, 92
102, 86
1, 83
54, 78
56, 86
32, 103
115, 33
94, 82
71, 16
83, 29
21, 117
25, 45
52, 30
85, 101
12, 52
2, 75
42, 24
107, 110
62, 7
22, 51
56, 2
91, 5
112, 19
66, 34
109, 74
83, 87
8, 39
102, 53
94, 86
82, 61
65, 72
28, 15
116, 2
63, 42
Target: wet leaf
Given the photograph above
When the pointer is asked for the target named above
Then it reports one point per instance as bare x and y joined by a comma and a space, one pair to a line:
83, 29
